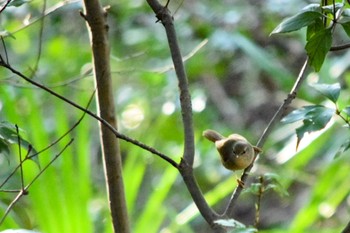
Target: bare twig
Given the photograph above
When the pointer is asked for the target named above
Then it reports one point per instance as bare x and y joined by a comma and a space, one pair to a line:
24, 190
9, 208
40, 41
340, 47
6, 61
186, 164
5, 5
49, 11
28, 156
68, 131
103, 121
163, 15
208, 214
48, 165
258, 203
20, 156
291, 96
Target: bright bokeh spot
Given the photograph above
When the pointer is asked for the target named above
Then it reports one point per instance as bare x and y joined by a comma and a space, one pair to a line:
198, 103
168, 108
132, 116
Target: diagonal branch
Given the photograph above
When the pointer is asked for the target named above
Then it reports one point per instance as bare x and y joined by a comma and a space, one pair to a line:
93, 115
186, 164
5, 5
340, 47
346, 229
163, 15
279, 113
24, 190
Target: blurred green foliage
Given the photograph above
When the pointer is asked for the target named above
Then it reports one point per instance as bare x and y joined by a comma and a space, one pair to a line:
238, 78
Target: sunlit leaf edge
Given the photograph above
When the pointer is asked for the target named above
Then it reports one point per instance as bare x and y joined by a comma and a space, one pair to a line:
331, 91
296, 22
315, 120
299, 114
346, 110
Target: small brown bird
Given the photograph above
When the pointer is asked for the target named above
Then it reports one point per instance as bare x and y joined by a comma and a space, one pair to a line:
235, 151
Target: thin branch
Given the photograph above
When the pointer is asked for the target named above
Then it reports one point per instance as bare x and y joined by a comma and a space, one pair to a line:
19, 195
258, 202
184, 59
4, 7
186, 164
46, 148
104, 122
291, 96
24, 190
9, 177
340, 47
40, 41
10, 190
163, 15
6, 61
49, 11
68, 131
20, 156
49, 164
208, 214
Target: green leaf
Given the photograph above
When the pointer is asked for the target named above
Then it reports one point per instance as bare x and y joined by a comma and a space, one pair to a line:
8, 135
345, 146
316, 119
297, 115
346, 27
346, 110
4, 149
332, 8
254, 188
17, 3
331, 91
297, 22
275, 184
312, 29
346, 13
312, 7
317, 48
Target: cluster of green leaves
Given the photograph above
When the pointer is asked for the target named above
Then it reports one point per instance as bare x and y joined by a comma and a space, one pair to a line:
266, 182
320, 22
9, 136
316, 117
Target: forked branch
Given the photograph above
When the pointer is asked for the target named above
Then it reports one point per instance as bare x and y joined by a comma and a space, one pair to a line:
186, 165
